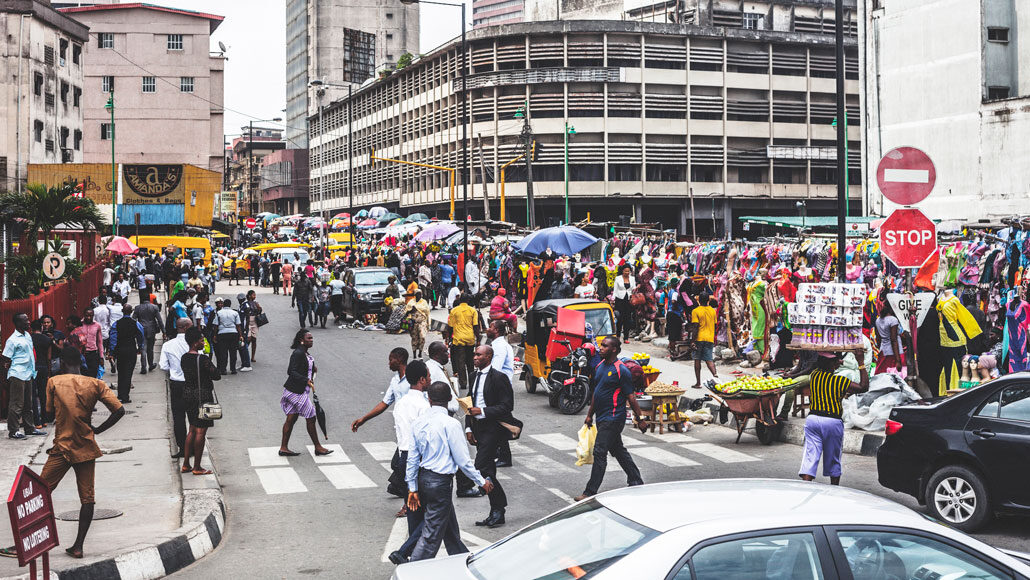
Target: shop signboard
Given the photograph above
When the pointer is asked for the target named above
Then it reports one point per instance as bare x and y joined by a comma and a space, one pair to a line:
153, 184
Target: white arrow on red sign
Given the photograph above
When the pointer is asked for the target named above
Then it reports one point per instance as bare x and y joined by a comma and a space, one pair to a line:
906, 175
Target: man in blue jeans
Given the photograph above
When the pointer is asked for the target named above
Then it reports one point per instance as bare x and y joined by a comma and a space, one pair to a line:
613, 388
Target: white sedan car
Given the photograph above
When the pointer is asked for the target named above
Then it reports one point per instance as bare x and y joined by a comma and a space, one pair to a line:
731, 529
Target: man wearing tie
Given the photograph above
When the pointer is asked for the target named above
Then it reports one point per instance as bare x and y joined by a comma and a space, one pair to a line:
504, 361
493, 401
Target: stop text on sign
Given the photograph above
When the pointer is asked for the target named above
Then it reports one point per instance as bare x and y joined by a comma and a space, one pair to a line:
909, 237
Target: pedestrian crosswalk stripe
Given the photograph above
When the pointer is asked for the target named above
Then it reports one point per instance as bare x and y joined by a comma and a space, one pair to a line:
663, 456
386, 466
719, 453
559, 441
380, 450
543, 464
277, 480
561, 494
631, 442
266, 457
670, 436
399, 533
346, 476
611, 466
518, 448
337, 455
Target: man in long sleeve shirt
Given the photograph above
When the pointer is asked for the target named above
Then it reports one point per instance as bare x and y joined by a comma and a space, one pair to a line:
149, 315
131, 344
171, 361
438, 450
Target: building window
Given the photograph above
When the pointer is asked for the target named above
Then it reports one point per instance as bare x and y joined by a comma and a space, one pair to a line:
49, 145
107, 84
389, 15
149, 84
76, 54
48, 55
37, 130
76, 96
78, 139
63, 52
65, 87
186, 84
37, 84
64, 137
174, 42
753, 21
105, 40
105, 131
997, 93
998, 34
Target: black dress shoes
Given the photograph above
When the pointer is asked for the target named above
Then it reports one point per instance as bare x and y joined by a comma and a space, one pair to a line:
466, 493
496, 518
397, 558
502, 463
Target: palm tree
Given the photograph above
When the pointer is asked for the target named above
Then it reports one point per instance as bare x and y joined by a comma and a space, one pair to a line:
42, 209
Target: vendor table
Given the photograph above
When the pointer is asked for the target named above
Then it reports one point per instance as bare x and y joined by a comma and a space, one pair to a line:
658, 416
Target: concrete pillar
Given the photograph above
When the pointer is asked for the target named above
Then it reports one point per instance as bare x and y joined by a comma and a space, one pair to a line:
638, 212
684, 227
727, 219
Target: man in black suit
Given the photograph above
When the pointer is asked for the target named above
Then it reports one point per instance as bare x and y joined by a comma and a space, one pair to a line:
493, 401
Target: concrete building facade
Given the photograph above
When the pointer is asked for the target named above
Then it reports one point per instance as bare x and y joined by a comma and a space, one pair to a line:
167, 87
341, 42
246, 157
668, 117
42, 106
284, 181
494, 12
960, 91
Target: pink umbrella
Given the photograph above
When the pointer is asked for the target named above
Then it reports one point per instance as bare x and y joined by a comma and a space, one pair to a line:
437, 231
120, 245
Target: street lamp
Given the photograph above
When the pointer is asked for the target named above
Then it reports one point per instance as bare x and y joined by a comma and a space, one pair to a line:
250, 159
319, 86
464, 116
569, 132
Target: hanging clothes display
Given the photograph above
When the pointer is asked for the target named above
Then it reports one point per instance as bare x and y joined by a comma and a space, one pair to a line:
957, 325
1017, 322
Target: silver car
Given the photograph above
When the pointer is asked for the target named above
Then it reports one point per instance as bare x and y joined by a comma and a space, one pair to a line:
739, 529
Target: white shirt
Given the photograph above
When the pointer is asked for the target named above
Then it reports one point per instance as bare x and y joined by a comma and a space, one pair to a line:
121, 288
408, 408
227, 320
108, 276
398, 388
504, 356
102, 316
480, 399
585, 291
452, 296
472, 277
336, 287
171, 357
438, 374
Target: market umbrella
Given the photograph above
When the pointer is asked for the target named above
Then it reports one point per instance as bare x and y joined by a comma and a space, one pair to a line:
368, 224
562, 240
270, 216
377, 211
385, 219
416, 217
120, 245
396, 222
436, 232
341, 216
362, 214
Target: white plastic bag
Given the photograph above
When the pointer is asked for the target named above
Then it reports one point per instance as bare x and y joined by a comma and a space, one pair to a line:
585, 446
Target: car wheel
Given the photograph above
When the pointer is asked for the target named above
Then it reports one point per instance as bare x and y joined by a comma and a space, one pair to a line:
241, 273
530, 380
957, 496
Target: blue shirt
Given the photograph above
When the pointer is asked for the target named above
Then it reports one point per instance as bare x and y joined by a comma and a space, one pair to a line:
614, 385
438, 444
180, 309
23, 358
446, 274
398, 387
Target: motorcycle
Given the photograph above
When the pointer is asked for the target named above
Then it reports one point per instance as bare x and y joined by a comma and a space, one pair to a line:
568, 384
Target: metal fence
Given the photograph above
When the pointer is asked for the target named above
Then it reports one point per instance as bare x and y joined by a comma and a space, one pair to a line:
59, 301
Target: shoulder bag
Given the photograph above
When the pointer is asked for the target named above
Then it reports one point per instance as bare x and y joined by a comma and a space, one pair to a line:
260, 319
208, 411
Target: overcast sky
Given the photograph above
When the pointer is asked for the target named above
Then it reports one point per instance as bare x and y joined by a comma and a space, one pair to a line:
254, 31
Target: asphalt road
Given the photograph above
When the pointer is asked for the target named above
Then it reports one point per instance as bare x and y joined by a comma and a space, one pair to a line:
334, 519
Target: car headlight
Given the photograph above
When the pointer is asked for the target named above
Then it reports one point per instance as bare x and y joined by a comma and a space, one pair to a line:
364, 296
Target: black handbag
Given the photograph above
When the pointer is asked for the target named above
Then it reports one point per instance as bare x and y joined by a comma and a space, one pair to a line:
260, 319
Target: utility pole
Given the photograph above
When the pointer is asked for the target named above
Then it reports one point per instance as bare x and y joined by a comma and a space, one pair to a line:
842, 140
250, 167
569, 131
114, 168
482, 178
527, 142
350, 158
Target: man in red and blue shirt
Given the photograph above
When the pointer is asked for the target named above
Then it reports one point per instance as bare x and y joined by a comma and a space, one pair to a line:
613, 387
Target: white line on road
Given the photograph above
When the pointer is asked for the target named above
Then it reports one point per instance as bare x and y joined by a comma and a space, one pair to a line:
386, 466
719, 453
543, 464
528, 476
380, 450
266, 457
277, 480
559, 441
337, 455
346, 476
561, 494
399, 533
906, 175
669, 436
664, 457
613, 465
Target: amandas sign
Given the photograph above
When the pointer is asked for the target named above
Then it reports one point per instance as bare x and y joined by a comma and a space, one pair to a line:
153, 184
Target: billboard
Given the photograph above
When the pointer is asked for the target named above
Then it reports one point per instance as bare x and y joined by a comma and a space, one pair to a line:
93, 178
153, 184
228, 202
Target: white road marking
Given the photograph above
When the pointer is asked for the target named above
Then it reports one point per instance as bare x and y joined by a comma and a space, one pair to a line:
337, 455
631, 442
669, 436
399, 533
386, 466
518, 448
664, 457
558, 441
528, 476
906, 175
719, 453
613, 465
277, 480
380, 450
543, 464
561, 494
266, 457
346, 476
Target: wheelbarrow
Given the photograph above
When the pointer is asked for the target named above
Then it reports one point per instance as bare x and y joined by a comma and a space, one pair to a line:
760, 406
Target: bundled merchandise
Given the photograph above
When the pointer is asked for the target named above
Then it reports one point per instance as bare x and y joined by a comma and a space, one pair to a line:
827, 315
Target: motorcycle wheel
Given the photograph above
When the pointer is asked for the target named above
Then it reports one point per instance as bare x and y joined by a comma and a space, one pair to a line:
573, 398
552, 398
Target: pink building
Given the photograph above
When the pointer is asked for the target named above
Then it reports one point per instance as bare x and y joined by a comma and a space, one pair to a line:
167, 87
491, 12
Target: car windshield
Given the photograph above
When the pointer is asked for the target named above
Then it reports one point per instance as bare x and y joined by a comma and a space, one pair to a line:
373, 278
575, 543
600, 321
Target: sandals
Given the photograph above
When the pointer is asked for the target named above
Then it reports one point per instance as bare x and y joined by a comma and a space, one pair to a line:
185, 469
202, 472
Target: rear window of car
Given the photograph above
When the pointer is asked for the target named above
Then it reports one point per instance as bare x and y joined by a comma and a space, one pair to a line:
377, 277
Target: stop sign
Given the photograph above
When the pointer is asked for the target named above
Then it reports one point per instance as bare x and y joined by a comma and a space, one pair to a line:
908, 238
251, 223
906, 175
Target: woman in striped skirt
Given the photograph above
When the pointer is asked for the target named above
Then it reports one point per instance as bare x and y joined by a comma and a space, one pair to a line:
296, 399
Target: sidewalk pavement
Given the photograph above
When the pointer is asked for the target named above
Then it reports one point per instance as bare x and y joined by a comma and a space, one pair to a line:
855, 441
168, 519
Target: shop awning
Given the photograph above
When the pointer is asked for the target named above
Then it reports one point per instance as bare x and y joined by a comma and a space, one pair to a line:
855, 223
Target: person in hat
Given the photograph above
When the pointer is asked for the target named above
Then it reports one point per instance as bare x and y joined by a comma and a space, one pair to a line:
824, 426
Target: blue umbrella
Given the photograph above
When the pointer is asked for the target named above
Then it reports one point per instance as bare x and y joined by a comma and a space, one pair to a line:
562, 240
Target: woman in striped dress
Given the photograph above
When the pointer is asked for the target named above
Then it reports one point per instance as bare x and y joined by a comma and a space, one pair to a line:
296, 399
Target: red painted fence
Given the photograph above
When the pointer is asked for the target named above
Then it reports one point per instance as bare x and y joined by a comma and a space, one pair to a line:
59, 301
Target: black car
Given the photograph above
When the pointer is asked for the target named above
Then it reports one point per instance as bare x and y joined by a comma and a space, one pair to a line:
365, 290
966, 457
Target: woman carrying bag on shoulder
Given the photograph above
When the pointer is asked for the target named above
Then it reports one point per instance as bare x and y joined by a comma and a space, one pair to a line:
200, 374
296, 400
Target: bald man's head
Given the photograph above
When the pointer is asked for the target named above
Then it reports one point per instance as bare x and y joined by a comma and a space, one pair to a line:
484, 354
182, 324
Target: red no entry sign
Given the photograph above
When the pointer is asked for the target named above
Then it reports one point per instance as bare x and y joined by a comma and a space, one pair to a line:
251, 223
908, 238
906, 175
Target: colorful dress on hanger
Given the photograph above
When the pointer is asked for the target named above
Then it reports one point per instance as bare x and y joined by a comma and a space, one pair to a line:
1017, 316
957, 326
755, 295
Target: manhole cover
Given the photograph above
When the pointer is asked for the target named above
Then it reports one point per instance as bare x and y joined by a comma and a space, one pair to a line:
99, 514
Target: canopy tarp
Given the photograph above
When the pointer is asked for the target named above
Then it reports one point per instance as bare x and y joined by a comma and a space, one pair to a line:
855, 223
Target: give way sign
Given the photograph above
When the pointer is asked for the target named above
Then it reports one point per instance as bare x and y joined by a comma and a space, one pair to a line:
906, 305
908, 238
906, 175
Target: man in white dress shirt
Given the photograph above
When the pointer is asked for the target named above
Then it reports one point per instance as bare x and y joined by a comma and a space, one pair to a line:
171, 359
398, 361
439, 356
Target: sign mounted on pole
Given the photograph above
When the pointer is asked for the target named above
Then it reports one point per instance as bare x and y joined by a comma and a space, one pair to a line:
906, 175
905, 305
908, 238
53, 265
251, 223
32, 519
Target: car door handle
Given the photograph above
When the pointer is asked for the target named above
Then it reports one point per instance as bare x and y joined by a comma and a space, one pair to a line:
984, 433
